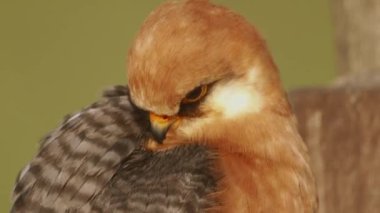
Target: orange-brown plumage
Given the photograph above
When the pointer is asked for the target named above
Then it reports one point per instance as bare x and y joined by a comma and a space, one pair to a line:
245, 117
178, 39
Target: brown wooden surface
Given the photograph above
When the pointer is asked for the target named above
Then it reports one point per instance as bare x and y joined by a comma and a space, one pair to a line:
341, 126
357, 34
341, 123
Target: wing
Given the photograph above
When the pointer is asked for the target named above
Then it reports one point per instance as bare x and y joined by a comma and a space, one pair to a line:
177, 180
95, 162
76, 161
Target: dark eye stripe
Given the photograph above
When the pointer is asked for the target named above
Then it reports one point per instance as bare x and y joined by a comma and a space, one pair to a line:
196, 94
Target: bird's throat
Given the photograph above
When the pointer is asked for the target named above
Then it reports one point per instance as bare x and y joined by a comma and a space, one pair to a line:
253, 184
269, 175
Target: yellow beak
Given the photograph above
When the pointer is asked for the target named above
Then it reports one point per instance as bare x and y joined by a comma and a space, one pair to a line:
160, 125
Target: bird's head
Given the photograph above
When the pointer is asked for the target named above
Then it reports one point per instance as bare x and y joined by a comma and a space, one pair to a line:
203, 73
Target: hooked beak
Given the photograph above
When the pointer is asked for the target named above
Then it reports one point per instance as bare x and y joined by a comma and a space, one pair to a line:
160, 125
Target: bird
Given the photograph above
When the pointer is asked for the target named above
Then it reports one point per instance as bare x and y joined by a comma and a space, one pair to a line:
203, 125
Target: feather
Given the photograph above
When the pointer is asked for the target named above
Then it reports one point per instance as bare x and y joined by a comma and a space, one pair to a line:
96, 161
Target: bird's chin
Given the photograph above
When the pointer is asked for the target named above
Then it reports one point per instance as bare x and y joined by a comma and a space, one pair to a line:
190, 131
173, 139
176, 134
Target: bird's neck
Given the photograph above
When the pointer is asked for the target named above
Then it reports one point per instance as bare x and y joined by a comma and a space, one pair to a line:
268, 169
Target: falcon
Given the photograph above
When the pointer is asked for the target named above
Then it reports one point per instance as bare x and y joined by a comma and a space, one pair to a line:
204, 125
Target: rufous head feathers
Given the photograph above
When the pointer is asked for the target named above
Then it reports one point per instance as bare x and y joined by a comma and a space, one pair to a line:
186, 44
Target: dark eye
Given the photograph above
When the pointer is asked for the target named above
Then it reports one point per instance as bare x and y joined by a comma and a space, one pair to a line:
195, 95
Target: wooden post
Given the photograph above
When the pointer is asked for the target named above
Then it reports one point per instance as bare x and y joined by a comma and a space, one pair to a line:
341, 123
357, 34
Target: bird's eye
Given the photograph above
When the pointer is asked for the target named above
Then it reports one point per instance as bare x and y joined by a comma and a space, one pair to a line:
195, 95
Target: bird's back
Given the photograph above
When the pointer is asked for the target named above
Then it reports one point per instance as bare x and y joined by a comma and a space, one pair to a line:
96, 162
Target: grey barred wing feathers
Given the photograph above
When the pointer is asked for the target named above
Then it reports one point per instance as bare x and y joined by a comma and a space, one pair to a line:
176, 180
77, 160
95, 162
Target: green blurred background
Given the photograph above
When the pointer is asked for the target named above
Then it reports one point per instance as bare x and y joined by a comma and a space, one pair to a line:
57, 56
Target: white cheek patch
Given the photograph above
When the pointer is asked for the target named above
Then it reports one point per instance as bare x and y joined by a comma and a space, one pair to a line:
233, 99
